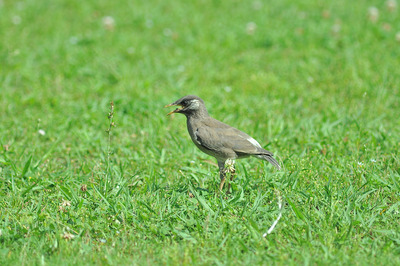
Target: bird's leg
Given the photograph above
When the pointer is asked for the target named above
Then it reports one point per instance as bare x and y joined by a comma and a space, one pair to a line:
233, 171
230, 167
222, 173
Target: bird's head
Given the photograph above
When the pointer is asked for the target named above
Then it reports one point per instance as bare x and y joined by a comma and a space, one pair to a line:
188, 105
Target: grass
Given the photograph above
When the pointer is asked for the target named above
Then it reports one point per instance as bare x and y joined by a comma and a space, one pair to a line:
316, 83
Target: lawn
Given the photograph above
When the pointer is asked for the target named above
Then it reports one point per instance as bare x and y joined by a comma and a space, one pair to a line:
316, 83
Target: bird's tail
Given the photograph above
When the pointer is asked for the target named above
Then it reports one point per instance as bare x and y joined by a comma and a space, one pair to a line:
269, 158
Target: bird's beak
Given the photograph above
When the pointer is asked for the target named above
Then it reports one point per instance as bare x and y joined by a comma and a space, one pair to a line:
174, 111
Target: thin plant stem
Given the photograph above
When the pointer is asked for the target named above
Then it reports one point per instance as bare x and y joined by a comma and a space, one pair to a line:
109, 133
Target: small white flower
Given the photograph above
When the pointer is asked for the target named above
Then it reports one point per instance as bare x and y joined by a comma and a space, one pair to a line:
373, 14
391, 5
41, 132
108, 22
102, 240
228, 89
66, 203
373, 160
251, 28
68, 236
360, 164
398, 36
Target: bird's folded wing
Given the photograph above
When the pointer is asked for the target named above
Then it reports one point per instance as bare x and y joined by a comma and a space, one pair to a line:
220, 136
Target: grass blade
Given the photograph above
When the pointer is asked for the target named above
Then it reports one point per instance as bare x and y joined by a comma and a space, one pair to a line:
26, 167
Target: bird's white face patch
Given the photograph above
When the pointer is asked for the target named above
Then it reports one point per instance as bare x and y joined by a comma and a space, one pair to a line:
254, 142
194, 104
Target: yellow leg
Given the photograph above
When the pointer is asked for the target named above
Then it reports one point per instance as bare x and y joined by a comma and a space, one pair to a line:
221, 185
222, 174
230, 167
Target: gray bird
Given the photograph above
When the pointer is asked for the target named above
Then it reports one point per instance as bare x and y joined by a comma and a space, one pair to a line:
217, 139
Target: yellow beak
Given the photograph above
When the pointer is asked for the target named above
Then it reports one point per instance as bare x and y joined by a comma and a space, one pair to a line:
174, 111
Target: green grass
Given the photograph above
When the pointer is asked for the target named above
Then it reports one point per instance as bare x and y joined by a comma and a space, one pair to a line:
326, 103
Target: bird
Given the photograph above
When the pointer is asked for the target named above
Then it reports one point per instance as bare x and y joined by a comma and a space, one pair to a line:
218, 139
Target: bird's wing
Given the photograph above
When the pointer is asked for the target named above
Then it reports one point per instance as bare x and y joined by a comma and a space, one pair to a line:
215, 135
